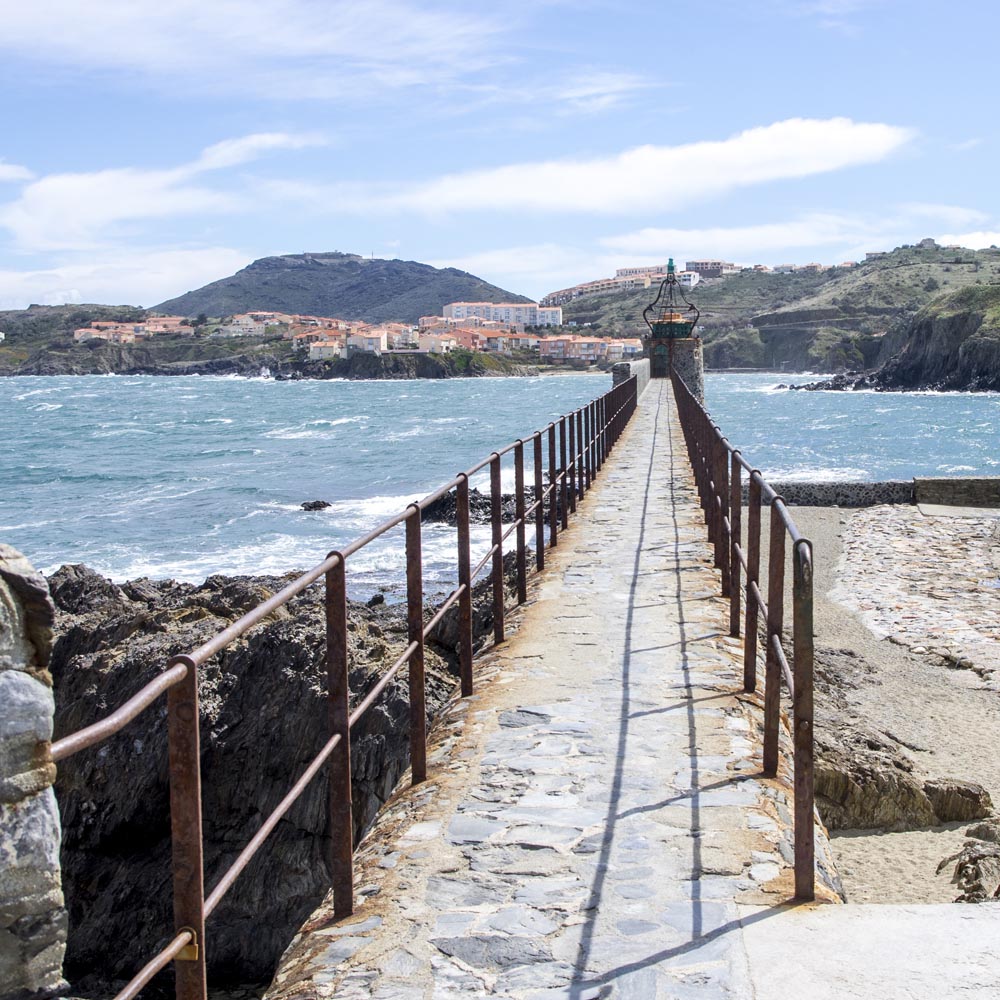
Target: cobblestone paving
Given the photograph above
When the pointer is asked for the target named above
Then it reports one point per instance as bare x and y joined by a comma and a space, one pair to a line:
595, 812
938, 590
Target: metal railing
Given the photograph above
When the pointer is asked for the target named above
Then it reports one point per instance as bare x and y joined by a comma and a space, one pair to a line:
571, 450
718, 471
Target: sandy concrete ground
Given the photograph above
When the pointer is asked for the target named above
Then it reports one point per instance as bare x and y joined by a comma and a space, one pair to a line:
947, 720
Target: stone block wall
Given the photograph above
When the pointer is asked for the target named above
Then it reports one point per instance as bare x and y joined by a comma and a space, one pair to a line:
624, 370
32, 915
690, 365
857, 494
967, 491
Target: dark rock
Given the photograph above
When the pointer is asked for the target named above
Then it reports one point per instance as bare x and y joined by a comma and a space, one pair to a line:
315, 505
375, 600
264, 715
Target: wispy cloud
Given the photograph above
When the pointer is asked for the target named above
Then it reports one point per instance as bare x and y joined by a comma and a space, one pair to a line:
975, 240
638, 178
967, 144
119, 276
273, 48
76, 211
13, 172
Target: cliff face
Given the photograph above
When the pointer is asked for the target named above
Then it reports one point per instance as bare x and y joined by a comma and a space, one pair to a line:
954, 343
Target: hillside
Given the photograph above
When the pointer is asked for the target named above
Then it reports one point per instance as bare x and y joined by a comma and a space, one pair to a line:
338, 284
952, 343
831, 320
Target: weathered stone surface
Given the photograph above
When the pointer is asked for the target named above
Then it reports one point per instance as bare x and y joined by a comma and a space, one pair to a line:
32, 916
957, 801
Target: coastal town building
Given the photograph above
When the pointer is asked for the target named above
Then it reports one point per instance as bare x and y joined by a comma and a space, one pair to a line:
326, 350
626, 279
711, 268
519, 314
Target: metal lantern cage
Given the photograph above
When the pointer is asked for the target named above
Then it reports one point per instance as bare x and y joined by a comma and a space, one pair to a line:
670, 316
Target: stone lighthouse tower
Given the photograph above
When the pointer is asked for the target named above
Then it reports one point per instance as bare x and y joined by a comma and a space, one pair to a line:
673, 341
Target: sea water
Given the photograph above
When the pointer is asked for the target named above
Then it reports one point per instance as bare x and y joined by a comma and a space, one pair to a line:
187, 476
825, 436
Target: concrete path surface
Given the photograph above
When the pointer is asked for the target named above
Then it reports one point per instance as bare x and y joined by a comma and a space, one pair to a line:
595, 823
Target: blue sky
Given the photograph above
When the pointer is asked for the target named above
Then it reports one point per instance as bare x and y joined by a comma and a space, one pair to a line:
150, 146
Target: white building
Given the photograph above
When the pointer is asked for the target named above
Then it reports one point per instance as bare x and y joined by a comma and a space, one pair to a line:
325, 350
374, 342
513, 313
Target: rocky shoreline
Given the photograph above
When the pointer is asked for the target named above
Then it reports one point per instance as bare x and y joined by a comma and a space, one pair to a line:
263, 717
101, 358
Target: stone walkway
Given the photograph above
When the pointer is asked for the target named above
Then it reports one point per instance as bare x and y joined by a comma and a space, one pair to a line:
595, 812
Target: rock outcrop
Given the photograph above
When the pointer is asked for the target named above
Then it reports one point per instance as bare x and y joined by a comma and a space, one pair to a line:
32, 915
952, 343
864, 778
263, 718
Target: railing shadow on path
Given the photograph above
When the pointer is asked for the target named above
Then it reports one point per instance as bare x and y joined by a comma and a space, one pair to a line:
584, 983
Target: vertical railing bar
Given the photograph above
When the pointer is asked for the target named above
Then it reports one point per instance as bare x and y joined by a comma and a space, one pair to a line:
555, 491
464, 578
753, 579
338, 690
415, 630
572, 463
497, 525
581, 472
802, 722
187, 862
735, 542
775, 622
519, 508
540, 506
564, 474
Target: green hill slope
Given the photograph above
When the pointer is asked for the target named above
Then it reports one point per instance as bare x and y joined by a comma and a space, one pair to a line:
337, 284
832, 320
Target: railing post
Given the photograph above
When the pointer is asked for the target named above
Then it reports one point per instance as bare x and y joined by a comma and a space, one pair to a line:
341, 809
721, 477
563, 476
555, 491
496, 519
753, 580
580, 453
539, 505
184, 755
465, 579
735, 541
602, 404
775, 616
802, 608
519, 506
572, 463
415, 634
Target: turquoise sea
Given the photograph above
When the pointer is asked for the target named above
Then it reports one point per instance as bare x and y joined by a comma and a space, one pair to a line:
185, 477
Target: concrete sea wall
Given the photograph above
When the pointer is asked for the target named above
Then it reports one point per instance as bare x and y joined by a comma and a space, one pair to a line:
973, 491
32, 915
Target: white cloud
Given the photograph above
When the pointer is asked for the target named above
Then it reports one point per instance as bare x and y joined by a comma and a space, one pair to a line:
645, 177
76, 211
967, 144
13, 172
977, 240
126, 276
274, 48
597, 90
233, 152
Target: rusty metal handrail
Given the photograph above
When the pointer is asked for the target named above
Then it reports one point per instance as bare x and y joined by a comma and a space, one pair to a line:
718, 471
586, 436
